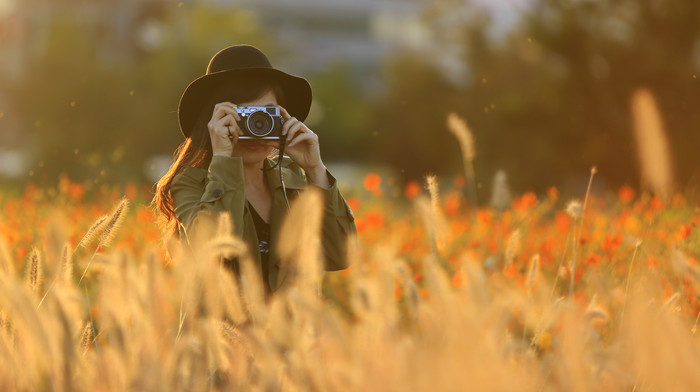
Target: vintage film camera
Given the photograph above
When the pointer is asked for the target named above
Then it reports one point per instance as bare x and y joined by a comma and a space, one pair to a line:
260, 122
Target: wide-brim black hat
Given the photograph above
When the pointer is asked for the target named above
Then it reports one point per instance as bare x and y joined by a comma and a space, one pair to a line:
241, 61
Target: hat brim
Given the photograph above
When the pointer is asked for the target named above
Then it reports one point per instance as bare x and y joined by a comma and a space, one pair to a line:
297, 93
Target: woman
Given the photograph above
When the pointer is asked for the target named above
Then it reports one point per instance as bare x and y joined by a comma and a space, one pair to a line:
215, 170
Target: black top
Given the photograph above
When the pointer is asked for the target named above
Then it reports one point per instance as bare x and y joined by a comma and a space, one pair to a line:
262, 229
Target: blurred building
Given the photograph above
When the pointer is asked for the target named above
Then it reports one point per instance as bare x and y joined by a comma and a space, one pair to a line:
318, 32
357, 33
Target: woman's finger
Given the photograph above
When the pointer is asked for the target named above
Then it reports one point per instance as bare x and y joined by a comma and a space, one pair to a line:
226, 131
285, 113
295, 128
289, 123
232, 134
229, 111
229, 119
221, 109
310, 137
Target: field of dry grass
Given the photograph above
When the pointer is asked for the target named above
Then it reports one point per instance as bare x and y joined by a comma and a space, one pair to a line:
545, 295
535, 293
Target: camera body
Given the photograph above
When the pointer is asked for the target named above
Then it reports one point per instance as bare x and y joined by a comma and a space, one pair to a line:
260, 122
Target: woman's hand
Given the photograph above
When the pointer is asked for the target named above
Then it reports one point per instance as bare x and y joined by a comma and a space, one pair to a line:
223, 129
303, 148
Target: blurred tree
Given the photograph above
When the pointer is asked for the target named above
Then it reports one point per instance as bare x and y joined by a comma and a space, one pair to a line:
409, 121
100, 117
341, 114
552, 98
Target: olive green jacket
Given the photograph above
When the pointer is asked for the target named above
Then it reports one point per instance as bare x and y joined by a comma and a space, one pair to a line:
221, 188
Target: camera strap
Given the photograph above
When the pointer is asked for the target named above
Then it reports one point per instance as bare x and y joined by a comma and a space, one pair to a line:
278, 164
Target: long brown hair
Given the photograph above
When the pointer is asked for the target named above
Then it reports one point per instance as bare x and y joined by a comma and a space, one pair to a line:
196, 150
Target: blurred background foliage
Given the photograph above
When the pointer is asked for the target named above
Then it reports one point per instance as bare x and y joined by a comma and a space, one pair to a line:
546, 99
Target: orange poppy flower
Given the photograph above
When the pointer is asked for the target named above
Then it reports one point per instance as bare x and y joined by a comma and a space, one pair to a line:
372, 182
652, 262
592, 260
626, 194
412, 190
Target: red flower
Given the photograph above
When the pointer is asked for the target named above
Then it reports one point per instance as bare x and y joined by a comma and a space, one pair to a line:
685, 231
626, 194
353, 203
652, 262
374, 220
412, 190
563, 221
592, 260
611, 242
524, 203
511, 271
656, 203
372, 182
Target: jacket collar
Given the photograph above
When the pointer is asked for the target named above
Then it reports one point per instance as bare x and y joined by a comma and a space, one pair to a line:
292, 179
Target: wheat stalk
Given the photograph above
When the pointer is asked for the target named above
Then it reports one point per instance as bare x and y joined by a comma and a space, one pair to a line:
627, 285
34, 271
432, 185
459, 128
89, 236
5, 260
115, 219
92, 232
532, 272
652, 144
67, 264
512, 248
108, 229
86, 337
577, 234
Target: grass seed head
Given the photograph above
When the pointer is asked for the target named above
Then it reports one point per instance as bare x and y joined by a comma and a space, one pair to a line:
93, 232
513, 247
459, 128
573, 208
532, 271
67, 264
34, 271
434, 190
86, 337
652, 144
115, 219
500, 192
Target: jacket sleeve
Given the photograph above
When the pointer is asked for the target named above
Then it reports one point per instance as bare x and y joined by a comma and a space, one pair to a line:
201, 192
338, 227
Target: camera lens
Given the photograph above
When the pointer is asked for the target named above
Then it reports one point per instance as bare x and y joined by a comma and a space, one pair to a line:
260, 123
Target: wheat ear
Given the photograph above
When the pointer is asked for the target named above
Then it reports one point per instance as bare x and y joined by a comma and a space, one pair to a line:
459, 128
577, 233
34, 271
108, 231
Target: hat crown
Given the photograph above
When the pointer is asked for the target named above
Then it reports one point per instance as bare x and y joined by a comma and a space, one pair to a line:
238, 57
239, 61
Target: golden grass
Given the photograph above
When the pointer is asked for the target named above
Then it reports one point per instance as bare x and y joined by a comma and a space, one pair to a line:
653, 147
187, 324
531, 296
